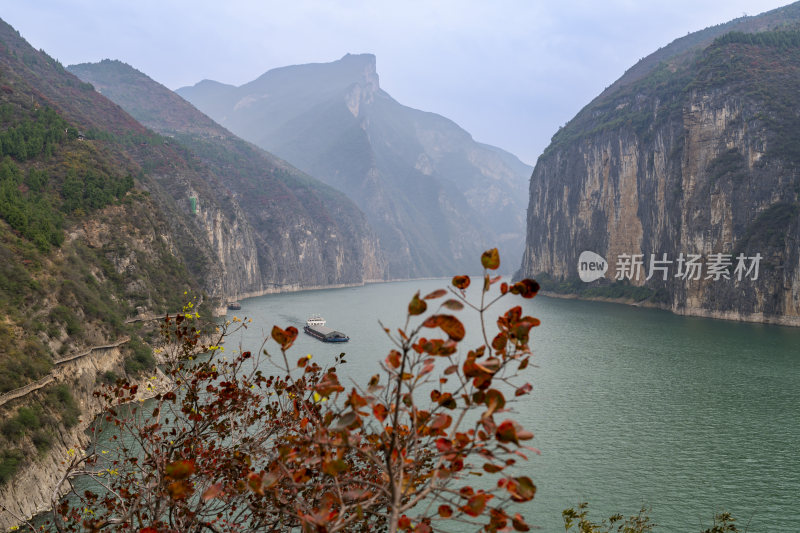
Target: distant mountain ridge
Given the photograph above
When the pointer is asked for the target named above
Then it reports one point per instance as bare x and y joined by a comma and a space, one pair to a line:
435, 196
681, 50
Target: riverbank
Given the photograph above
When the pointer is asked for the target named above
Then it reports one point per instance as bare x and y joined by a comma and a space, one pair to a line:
30, 491
758, 318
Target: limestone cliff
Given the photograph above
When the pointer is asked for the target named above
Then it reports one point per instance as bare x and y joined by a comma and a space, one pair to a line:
32, 488
102, 220
270, 227
698, 157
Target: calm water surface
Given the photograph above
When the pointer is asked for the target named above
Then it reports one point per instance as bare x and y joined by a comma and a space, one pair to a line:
630, 406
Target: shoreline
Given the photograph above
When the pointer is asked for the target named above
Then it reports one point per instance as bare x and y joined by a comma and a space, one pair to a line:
731, 316
28, 493
282, 289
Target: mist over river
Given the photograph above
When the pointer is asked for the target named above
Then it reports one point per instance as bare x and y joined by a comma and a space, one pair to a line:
630, 407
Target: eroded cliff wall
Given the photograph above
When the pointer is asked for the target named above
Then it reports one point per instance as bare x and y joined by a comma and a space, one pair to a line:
700, 160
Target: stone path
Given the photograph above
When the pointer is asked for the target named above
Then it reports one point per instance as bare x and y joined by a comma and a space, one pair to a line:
43, 382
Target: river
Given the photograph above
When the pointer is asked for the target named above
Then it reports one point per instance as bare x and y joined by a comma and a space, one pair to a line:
687, 416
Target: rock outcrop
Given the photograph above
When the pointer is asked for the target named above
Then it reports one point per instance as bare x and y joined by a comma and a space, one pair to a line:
270, 227
102, 219
698, 157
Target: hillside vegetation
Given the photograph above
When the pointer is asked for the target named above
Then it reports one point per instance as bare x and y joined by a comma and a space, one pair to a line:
77, 217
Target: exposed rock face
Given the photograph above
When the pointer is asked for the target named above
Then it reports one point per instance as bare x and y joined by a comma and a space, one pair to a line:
270, 226
31, 491
698, 159
173, 225
435, 197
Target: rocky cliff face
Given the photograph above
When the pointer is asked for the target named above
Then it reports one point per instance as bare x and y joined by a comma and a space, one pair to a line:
699, 158
32, 489
102, 220
435, 197
270, 227
137, 260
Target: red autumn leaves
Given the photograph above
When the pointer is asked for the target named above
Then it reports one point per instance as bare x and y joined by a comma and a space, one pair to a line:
364, 460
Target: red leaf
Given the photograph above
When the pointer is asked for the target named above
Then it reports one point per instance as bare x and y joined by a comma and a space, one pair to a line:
449, 324
255, 483
179, 490
499, 342
494, 401
180, 469
527, 288
525, 389
328, 385
453, 305
445, 511
521, 489
355, 400
446, 400
441, 422
461, 282
510, 431
284, 337
476, 504
417, 306
519, 523
490, 365
438, 293
380, 412
212, 492
491, 259
437, 347
489, 467
393, 359
444, 445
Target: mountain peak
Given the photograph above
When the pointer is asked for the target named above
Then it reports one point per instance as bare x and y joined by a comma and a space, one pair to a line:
367, 69
367, 59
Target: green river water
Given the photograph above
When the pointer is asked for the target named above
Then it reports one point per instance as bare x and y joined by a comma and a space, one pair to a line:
631, 406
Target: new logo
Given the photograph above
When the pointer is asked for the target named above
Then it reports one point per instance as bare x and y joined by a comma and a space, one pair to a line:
591, 266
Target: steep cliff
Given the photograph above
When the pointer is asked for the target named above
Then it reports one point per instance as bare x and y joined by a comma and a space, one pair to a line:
304, 233
107, 145
435, 197
698, 159
99, 223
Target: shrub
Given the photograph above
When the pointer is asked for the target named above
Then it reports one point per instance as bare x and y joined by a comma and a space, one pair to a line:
109, 377
140, 359
65, 315
9, 463
60, 399
42, 439
13, 429
396, 453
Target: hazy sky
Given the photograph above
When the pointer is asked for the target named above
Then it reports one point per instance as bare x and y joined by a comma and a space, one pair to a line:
510, 72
